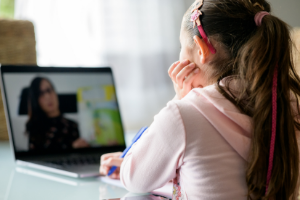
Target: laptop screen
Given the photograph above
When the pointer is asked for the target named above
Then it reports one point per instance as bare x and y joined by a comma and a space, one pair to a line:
61, 109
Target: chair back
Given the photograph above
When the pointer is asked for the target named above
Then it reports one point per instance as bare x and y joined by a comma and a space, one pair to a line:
17, 47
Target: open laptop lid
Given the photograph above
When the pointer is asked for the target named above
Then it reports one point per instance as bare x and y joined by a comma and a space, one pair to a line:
51, 110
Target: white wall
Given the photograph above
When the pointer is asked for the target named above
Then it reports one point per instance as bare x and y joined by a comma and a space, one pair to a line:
287, 10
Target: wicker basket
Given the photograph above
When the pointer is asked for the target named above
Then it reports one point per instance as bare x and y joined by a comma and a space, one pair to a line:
17, 47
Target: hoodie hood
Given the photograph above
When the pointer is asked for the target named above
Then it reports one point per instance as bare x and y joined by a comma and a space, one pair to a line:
235, 127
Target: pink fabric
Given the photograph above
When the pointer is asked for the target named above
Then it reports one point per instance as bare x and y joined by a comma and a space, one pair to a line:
204, 36
274, 121
259, 16
201, 141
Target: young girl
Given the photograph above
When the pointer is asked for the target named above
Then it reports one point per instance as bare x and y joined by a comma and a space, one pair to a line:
231, 132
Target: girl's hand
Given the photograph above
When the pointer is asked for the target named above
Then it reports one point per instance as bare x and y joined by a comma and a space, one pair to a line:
109, 160
182, 75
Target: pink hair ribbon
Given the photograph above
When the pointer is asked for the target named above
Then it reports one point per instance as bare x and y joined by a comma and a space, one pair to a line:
202, 33
274, 120
195, 18
258, 20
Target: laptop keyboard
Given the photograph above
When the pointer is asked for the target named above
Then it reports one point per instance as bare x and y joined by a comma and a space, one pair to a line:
73, 161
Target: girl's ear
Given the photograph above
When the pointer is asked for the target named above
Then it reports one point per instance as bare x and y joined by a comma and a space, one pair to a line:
204, 51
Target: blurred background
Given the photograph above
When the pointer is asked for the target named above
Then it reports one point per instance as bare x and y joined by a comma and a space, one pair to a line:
139, 39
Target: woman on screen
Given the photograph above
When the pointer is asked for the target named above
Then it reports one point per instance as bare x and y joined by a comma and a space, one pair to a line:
46, 127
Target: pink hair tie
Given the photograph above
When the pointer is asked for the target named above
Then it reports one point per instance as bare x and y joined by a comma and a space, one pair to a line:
274, 121
259, 16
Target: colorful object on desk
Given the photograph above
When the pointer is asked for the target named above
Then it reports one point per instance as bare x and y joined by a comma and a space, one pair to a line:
134, 140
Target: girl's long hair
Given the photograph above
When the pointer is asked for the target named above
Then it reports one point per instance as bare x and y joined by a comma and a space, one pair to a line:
250, 54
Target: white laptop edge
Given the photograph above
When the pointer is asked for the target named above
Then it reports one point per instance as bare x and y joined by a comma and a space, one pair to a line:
6, 114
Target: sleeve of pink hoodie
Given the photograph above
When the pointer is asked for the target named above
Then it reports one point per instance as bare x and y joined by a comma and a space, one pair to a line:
154, 159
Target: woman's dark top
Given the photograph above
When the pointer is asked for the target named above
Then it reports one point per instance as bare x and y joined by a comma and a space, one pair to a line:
56, 134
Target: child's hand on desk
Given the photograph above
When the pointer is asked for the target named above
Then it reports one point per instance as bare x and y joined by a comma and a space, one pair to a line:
183, 74
109, 160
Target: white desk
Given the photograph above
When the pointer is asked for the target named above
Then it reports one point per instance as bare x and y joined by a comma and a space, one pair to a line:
29, 184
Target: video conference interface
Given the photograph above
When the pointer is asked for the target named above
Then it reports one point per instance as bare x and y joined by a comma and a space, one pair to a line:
53, 111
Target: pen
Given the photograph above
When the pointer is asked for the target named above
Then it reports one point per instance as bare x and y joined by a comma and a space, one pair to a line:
136, 138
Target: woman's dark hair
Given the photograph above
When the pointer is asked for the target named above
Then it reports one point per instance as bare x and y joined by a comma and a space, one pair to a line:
37, 117
249, 53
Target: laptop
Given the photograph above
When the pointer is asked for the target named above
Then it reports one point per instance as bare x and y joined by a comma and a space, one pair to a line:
61, 120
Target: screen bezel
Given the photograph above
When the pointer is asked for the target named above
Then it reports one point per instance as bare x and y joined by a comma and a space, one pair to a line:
36, 69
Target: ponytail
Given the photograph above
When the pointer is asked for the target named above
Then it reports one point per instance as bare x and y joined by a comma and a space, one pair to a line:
268, 50
252, 54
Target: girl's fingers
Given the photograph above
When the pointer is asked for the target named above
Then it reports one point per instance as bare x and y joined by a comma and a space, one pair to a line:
104, 170
184, 73
178, 68
108, 160
109, 155
187, 83
112, 161
172, 67
116, 174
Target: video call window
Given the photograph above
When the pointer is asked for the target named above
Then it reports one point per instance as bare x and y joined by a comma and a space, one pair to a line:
63, 111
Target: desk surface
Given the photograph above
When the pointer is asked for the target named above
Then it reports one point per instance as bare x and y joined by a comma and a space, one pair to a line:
25, 183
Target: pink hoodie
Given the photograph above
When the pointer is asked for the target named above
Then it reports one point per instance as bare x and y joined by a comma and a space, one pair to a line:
201, 142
